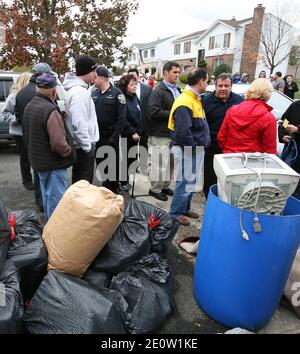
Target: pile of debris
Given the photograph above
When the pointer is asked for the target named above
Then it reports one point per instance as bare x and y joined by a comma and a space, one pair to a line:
94, 269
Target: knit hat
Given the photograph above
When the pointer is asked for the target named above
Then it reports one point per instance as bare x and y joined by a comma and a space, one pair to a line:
85, 65
46, 81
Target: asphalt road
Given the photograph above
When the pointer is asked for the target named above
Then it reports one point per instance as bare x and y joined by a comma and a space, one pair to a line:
187, 319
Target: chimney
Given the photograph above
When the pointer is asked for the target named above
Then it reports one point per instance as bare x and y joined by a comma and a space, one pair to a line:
259, 13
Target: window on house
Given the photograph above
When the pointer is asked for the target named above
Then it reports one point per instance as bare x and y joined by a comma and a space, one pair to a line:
211, 43
219, 40
177, 49
187, 47
146, 54
152, 53
216, 62
227, 37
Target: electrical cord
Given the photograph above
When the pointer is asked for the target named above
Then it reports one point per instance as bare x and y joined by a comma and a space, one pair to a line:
257, 224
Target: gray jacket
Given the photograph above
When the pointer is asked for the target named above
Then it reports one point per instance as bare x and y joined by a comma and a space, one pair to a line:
8, 114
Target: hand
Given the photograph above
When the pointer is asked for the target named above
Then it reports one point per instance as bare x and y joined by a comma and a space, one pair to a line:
136, 137
286, 139
291, 129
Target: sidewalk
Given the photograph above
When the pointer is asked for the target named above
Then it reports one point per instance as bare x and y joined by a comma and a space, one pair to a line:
285, 321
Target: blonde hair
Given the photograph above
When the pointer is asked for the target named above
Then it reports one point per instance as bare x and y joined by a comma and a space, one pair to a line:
260, 89
20, 83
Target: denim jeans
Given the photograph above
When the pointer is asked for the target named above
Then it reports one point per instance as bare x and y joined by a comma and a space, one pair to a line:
188, 165
53, 186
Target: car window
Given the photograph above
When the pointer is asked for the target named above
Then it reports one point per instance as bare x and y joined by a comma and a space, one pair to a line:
5, 86
280, 104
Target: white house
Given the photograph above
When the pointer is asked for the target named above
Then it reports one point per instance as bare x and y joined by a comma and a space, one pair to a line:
151, 57
235, 43
186, 53
239, 43
222, 42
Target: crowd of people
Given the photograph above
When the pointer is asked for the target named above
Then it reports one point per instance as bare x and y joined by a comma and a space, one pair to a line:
180, 131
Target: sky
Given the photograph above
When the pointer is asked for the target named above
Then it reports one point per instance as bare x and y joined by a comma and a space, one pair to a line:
162, 18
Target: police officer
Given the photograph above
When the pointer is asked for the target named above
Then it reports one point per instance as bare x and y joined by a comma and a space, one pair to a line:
111, 112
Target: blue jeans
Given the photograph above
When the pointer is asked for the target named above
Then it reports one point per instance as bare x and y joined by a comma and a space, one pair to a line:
188, 165
53, 186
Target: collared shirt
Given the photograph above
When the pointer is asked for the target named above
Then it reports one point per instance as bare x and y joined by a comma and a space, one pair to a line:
197, 94
173, 89
138, 90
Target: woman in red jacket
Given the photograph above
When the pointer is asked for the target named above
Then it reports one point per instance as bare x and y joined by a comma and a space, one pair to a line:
250, 126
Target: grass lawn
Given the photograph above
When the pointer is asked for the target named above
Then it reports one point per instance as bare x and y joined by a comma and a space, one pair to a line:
297, 95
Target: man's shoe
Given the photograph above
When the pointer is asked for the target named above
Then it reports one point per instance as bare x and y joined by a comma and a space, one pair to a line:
168, 192
28, 185
183, 221
159, 196
192, 215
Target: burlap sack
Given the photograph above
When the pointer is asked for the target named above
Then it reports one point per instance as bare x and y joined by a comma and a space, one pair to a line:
292, 289
81, 225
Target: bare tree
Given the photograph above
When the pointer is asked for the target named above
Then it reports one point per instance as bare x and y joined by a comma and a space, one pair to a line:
278, 32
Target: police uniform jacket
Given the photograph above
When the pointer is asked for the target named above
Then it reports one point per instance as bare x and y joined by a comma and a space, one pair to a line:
111, 112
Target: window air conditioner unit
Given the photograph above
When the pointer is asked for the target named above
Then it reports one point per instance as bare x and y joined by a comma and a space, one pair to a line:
260, 183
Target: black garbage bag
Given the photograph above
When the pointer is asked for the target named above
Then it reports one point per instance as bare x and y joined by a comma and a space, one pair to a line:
99, 280
28, 222
11, 302
148, 291
67, 305
28, 252
163, 227
129, 244
4, 234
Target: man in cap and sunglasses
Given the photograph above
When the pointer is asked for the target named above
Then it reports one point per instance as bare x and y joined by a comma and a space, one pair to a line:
48, 142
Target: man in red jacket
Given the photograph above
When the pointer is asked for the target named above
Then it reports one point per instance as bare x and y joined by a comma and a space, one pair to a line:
250, 126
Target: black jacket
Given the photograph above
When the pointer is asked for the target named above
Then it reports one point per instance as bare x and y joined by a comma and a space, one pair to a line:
111, 113
144, 104
134, 122
24, 97
215, 111
290, 90
293, 116
160, 103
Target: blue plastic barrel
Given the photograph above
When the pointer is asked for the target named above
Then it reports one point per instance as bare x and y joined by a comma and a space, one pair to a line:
239, 283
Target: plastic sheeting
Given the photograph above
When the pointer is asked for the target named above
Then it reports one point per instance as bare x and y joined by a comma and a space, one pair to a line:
67, 305
162, 227
11, 302
28, 252
4, 234
148, 291
129, 244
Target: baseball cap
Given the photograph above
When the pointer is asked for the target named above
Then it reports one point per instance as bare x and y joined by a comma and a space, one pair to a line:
42, 68
103, 71
46, 81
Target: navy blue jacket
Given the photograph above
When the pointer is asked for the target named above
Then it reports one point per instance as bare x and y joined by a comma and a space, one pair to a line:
111, 112
215, 111
134, 122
